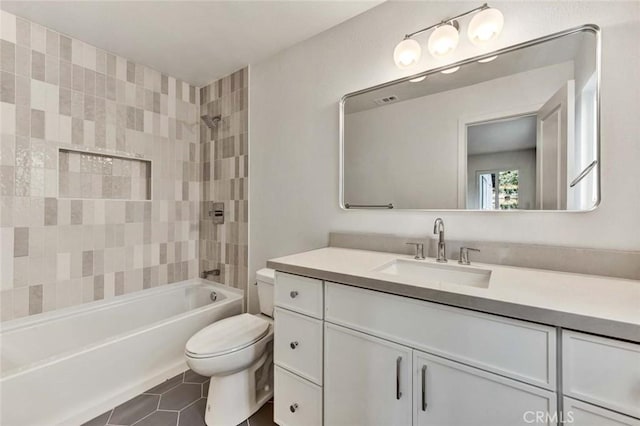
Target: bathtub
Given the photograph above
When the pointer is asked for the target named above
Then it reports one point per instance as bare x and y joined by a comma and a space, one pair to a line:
68, 366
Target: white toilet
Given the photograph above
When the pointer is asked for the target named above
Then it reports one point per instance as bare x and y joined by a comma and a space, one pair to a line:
237, 353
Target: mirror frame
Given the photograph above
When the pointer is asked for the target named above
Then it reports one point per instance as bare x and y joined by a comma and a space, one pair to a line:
592, 28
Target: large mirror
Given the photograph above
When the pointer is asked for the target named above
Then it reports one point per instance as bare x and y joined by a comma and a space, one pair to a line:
513, 130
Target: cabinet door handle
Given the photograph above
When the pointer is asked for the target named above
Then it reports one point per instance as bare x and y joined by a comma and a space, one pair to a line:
293, 407
293, 345
293, 294
424, 388
398, 362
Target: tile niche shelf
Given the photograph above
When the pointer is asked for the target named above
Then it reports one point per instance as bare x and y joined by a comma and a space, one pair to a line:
91, 175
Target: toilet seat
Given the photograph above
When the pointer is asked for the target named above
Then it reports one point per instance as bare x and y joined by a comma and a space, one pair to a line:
226, 336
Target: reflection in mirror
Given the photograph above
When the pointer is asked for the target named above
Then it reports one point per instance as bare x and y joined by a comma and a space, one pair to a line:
512, 131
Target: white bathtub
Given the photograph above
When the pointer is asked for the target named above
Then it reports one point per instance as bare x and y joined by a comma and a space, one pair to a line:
68, 366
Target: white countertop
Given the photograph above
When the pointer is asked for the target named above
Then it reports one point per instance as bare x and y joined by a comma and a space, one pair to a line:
602, 305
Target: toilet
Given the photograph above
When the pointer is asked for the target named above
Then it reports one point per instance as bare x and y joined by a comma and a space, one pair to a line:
237, 353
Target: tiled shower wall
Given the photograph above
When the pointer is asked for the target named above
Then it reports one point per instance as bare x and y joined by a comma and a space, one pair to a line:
224, 153
58, 92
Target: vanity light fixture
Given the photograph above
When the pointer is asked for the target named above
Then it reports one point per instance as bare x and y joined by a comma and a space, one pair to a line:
407, 53
450, 70
418, 79
444, 39
485, 26
489, 59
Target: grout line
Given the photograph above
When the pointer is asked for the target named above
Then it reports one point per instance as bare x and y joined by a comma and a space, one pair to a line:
110, 415
139, 420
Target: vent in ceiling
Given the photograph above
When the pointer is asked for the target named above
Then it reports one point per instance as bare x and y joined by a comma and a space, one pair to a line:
386, 100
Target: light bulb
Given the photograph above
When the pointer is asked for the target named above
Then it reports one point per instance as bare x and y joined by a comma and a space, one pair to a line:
443, 40
450, 70
485, 26
489, 59
407, 53
418, 79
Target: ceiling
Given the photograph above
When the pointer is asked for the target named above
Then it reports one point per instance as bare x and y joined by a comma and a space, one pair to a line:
197, 42
513, 134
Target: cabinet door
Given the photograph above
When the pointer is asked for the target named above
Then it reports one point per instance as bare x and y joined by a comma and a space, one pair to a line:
367, 380
449, 393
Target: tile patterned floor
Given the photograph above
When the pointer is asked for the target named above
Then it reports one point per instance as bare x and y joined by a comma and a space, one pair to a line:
179, 401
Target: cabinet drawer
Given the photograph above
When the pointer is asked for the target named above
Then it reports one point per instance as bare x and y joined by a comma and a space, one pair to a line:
517, 349
298, 344
297, 402
300, 294
602, 371
579, 413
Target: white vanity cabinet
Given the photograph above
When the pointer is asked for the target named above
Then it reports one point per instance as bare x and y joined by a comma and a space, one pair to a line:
452, 384
367, 380
348, 356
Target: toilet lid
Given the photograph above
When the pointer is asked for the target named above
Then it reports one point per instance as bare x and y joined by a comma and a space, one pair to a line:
227, 335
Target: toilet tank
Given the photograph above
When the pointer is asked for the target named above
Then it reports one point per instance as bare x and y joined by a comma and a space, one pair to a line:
265, 278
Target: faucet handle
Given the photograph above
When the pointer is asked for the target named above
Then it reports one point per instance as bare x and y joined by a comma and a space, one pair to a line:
463, 259
419, 250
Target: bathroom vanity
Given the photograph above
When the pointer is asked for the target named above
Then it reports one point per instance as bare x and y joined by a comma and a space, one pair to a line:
370, 338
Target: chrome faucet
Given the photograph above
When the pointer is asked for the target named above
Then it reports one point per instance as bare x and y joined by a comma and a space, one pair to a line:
438, 228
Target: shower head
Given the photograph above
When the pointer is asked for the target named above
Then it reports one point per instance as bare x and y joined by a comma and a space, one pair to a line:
211, 122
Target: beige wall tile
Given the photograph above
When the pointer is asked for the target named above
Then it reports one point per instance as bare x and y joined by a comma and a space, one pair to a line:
65, 244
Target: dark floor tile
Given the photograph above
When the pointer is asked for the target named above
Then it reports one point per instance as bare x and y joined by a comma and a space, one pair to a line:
205, 389
193, 415
134, 409
166, 385
101, 420
160, 418
180, 396
263, 417
192, 377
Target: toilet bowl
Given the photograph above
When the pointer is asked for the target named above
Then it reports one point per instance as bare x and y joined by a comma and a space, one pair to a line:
237, 353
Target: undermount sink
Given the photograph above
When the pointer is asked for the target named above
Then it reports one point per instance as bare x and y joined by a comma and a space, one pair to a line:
442, 273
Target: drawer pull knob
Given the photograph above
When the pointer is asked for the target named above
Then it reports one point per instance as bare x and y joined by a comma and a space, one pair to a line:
293, 407
293, 345
293, 294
